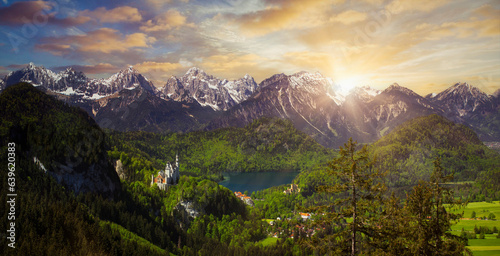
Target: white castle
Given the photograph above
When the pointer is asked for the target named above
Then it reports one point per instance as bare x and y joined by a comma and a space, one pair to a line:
168, 177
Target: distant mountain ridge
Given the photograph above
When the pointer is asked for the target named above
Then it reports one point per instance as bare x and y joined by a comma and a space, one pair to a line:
129, 101
72, 83
207, 90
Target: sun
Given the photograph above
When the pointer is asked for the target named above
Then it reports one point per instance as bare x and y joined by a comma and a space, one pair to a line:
345, 84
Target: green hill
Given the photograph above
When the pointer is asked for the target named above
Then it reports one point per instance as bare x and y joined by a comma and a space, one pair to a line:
264, 145
65, 140
60, 212
408, 152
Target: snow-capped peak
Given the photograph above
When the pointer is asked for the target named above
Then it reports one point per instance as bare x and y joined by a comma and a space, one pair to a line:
207, 90
397, 87
364, 93
462, 98
194, 71
462, 89
366, 89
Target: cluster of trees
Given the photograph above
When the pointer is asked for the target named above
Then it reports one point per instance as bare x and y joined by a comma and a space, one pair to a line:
363, 221
264, 145
407, 152
232, 229
50, 220
49, 129
481, 231
354, 213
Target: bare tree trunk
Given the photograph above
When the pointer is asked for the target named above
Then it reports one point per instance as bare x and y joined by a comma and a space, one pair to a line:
353, 235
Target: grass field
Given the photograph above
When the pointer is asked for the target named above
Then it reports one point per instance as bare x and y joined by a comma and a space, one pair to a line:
490, 246
268, 241
482, 209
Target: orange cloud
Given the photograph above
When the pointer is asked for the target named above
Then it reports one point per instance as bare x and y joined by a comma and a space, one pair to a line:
310, 61
234, 66
163, 67
399, 6
350, 16
104, 40
55, 49
276, 17
166, 21
118, 14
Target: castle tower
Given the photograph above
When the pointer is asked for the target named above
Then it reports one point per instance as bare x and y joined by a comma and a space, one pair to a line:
176, 175
177, 160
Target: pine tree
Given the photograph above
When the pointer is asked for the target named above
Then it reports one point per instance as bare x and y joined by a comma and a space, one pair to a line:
430, 222
360, 194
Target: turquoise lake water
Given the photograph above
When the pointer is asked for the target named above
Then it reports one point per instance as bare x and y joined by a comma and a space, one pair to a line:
253, 181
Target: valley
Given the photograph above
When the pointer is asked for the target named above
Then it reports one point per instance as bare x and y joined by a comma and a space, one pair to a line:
256, 127
96, 182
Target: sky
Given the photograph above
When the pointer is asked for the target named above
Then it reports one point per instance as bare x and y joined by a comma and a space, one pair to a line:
425, 45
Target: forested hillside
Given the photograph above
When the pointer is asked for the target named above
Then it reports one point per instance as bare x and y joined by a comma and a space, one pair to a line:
65, 140
407, 153
264, 145
55, 216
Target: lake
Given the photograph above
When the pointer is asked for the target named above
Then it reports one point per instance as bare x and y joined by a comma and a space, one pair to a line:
253, 181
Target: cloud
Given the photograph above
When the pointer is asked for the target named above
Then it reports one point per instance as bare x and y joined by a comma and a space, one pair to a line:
487, 11
310, 61
459, 29
236, 65
118, 14
163, 67
374, 2
157, 4
399, 6
280, 15
17, 66
36, 12
166, 21
100, 68
104, 40
349, 16
55, 49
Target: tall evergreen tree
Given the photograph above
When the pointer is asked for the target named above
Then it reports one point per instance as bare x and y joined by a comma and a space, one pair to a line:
430, 222
360, 195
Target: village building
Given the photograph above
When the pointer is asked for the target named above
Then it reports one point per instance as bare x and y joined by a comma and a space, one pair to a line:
168, 177
246, 199
305, 215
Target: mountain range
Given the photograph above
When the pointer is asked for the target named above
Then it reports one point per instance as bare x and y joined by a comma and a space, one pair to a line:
196, 100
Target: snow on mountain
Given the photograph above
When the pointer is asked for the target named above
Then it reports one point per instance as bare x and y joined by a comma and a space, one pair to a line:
38, 76
363, 93
311, 101
127, 79
463, 99
72, 83
208, 90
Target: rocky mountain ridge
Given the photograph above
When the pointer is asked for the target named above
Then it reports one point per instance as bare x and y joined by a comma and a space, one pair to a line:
196, 100
208, 90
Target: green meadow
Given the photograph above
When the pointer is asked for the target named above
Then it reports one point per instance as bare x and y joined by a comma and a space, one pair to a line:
491, 244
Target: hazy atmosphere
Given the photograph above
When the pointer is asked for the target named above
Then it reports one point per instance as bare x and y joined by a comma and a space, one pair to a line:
426, 46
